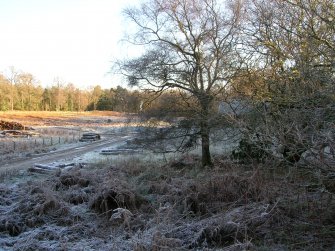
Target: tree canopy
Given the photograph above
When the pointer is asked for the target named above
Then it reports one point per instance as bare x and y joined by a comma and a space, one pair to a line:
187, 45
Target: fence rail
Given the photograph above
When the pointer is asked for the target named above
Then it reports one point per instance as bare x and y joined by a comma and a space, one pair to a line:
33, 143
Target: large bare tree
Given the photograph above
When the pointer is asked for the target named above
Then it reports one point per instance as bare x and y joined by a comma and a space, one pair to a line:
189, 46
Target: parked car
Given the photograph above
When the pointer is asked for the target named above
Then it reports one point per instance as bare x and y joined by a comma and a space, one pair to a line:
90, 136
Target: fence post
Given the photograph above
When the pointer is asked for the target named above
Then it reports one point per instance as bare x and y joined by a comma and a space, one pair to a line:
14, 145
51, 141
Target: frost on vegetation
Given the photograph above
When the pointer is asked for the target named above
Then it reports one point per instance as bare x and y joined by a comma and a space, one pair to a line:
138, 206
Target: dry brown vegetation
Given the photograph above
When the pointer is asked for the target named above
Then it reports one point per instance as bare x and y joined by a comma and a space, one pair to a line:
51, 118
132, 205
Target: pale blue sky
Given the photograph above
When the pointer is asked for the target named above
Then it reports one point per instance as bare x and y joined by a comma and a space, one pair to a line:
74, 40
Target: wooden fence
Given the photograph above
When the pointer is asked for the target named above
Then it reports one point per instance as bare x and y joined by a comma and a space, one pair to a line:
28, 144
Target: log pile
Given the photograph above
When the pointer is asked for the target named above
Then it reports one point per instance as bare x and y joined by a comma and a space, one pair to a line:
15, 129
41, 168
6, 125
91, 136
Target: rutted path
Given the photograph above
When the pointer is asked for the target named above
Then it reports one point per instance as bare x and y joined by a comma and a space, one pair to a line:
67, 154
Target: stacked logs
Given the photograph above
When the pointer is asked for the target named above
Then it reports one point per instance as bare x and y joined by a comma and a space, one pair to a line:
6, 125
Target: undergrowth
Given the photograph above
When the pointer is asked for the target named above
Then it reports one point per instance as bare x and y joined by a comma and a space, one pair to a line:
178, 205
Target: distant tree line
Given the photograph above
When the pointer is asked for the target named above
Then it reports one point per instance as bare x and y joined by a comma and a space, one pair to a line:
22, 91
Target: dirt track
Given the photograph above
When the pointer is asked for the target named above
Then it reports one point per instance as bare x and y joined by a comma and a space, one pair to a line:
65, 154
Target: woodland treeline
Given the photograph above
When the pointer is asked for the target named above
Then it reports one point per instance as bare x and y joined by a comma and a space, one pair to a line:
22, 91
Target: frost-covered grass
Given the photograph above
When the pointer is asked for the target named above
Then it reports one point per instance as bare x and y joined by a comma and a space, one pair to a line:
148, 202
163, 200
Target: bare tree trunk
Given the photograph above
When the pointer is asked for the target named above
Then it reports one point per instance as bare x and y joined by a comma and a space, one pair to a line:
205, 131
205, 152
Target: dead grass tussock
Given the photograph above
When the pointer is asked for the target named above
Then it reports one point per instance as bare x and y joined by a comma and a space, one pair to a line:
114, 193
